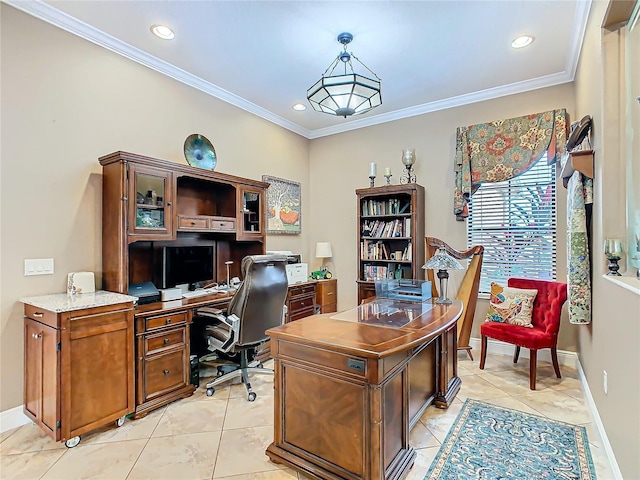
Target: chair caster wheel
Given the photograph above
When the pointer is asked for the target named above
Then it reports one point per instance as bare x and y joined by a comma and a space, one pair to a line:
210, 391
252, 396
72, 442
120, 421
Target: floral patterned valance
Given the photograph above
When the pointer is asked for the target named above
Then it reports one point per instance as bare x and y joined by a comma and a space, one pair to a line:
501, 150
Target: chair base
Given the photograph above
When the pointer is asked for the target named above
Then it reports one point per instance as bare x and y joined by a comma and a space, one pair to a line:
243, 370
533, 361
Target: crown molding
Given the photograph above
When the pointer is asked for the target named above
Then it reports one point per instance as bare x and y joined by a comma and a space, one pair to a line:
51, 15
55, 17
451, 102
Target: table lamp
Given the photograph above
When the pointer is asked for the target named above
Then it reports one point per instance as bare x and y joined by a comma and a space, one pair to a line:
443, 262
323, 250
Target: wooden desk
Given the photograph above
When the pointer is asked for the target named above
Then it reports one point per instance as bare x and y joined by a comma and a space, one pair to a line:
165, 337
349, 386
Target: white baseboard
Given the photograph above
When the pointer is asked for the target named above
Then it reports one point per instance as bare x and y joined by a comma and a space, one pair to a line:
593, 411
564, 358
13, 418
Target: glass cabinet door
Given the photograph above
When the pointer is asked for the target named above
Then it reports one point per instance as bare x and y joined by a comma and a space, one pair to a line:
151, 202
251, 214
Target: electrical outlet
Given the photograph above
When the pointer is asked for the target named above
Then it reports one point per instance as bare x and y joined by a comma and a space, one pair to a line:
605, 385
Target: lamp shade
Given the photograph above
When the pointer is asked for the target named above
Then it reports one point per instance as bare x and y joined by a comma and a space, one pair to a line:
442, 261
323, 250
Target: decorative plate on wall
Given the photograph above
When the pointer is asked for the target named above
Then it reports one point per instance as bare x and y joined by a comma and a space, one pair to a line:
199, 152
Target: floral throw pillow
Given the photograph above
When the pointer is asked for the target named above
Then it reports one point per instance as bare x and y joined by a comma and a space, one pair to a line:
511, 305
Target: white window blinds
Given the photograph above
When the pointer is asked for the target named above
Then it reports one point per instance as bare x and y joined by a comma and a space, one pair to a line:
515, 221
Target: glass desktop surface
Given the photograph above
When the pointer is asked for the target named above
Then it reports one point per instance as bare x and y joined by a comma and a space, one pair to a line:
385, 312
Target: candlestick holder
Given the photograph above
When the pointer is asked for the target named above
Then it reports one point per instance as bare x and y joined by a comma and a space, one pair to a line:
388, 177
408, 159
613, 250
372, 181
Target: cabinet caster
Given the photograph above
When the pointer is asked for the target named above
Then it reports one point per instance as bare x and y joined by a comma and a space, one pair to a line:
72, 442
210, 391
120, 421
252, 396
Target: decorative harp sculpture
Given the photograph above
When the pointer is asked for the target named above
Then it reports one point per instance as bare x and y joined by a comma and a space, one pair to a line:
468, 291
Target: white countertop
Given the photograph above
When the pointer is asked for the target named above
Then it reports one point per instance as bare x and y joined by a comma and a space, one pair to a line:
62, 302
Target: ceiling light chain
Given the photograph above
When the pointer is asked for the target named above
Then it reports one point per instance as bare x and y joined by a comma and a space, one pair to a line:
347, 94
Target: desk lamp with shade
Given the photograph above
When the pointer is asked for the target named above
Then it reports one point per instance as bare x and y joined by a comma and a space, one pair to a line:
323, 251
443, 262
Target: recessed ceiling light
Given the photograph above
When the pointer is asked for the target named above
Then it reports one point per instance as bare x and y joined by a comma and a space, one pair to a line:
522, 41
299, 107
162, 31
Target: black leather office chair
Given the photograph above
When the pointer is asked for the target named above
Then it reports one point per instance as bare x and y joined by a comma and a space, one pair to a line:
257, 305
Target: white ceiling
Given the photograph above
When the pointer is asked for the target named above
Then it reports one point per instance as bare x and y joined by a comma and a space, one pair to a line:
263, 55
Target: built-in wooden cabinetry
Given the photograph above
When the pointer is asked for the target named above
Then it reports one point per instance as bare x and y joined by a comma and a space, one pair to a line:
149, 204
391, 235
327, 295
78, 363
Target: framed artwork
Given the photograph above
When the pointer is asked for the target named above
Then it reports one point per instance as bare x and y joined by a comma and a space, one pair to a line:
284, 212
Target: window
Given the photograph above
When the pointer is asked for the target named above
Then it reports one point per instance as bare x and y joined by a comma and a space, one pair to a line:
515, 221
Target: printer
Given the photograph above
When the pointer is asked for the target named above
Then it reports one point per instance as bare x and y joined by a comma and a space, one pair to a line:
146, 292
297, 272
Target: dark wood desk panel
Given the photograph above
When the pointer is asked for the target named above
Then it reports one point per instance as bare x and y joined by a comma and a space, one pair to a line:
348, 391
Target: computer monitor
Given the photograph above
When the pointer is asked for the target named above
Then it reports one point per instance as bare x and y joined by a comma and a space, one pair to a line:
187, 264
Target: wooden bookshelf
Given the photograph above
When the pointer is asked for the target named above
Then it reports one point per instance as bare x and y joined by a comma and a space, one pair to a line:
390, 235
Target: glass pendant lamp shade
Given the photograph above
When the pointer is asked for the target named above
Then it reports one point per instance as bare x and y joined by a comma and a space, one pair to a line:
347, 94
442, 262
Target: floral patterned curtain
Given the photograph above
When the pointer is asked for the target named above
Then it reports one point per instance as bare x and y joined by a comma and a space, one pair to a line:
501, 150
579, 205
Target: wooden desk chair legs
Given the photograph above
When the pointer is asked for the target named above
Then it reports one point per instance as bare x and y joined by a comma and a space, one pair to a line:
468, 291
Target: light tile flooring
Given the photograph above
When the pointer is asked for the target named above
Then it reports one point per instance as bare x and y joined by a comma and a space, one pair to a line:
224, 436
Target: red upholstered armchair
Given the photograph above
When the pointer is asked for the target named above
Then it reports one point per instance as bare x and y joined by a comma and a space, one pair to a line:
547, 308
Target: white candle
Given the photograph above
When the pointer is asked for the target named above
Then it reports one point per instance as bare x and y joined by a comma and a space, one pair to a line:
372, 170
387, 171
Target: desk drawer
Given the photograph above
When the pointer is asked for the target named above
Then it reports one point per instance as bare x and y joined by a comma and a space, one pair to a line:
296, 291
151, 323
301, 304
293, 316
222, 224
41, 315
163, 373
163, 341
197, 223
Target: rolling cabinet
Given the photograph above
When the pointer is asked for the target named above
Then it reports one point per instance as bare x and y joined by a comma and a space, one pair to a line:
327, 295
79, 362
162, 359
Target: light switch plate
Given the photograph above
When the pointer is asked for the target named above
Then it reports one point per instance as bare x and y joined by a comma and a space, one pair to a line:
38, 266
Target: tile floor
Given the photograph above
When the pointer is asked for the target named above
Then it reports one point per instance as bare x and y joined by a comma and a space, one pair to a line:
224, 436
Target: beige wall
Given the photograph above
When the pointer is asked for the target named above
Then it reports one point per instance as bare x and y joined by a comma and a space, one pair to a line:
339, 164
65, 102
612, 341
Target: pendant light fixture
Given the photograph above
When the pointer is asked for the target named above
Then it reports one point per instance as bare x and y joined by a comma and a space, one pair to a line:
346, 94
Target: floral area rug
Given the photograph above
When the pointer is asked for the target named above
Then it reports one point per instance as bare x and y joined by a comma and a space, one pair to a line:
490, 442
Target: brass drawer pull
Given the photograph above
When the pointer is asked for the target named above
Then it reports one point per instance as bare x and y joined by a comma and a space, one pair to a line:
166, 372
38, 314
